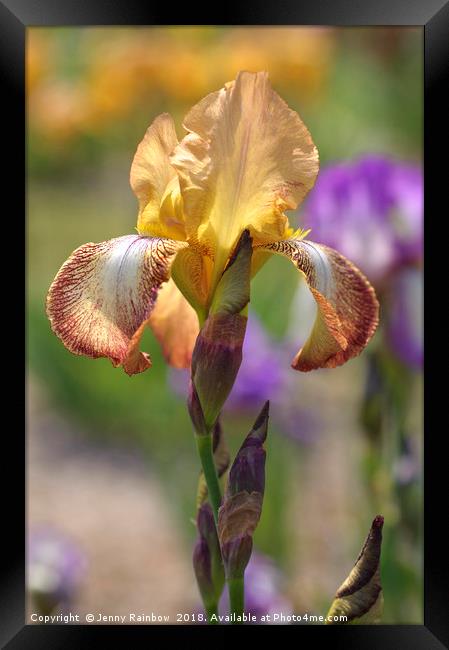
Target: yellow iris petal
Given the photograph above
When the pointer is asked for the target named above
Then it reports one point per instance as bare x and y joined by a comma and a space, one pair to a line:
246, 159
155, 183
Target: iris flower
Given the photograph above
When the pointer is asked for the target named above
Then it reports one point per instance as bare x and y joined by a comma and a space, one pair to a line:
245, 160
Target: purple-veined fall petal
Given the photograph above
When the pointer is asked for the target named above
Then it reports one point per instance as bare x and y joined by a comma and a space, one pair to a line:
347, 307
104, 293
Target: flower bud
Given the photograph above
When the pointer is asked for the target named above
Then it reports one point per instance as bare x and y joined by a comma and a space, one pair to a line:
242, 505
203, 572
217, 354
195, 411
359, 599
236, 555
232, 292
248, 470
207, 561
215, 363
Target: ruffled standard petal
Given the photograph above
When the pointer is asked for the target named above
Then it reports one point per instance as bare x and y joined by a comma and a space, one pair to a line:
103, 294
348, 310
155, 184
175, 325
247, 158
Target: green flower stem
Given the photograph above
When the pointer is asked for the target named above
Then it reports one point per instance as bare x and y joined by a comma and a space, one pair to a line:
210, 611
205, 451
236, 588
204, 446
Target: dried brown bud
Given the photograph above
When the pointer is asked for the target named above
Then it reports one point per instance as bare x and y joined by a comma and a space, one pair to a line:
360, 598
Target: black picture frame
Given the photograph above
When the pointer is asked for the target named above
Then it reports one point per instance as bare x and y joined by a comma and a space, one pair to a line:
433, 16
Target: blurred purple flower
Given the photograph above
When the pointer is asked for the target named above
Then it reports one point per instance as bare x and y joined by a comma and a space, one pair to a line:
404, 327
260, 376
261, 373
263, 582
371, 210
55, 568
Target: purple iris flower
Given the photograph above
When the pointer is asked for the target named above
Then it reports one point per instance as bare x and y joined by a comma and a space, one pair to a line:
371, 210
404, 326
261, 374
55, 568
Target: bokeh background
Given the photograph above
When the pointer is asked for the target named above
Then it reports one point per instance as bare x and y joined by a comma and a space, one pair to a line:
112, 468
